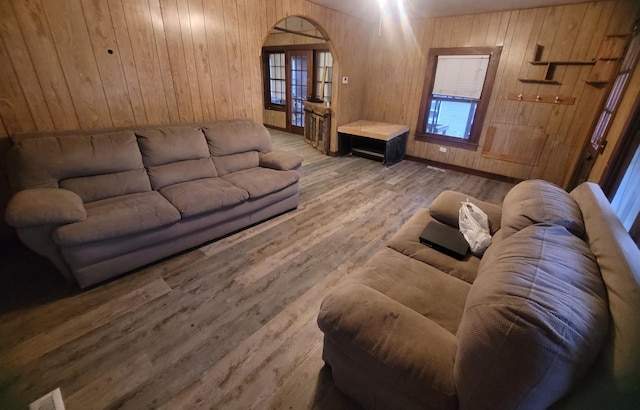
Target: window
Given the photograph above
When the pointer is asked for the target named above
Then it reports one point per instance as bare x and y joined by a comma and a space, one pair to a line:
324, 71
456, 95
275, 86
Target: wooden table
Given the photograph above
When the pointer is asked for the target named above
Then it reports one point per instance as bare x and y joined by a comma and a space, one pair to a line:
375, 140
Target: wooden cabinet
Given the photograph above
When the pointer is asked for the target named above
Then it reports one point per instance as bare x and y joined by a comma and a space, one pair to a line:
317, 125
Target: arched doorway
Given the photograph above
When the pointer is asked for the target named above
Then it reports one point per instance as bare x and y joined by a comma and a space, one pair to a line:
297, 65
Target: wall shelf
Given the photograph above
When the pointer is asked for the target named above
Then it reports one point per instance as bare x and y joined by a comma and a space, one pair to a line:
547, 77
606, 66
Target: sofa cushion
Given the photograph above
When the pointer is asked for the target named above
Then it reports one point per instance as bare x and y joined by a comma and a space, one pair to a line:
281, 160
259, 182
171, 144
203, 195
236, 136
42, 206
119, 216
392, 344
537, 201
41, 162
97, 187
420, 287
446, 207
616, 375
407, 242
181, 171
236, 162
534, 321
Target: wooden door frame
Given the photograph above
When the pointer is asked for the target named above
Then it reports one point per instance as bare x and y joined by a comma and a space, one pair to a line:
589, 153
623, 153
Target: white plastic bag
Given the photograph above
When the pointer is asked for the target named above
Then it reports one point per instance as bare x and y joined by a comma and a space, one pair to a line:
474, 225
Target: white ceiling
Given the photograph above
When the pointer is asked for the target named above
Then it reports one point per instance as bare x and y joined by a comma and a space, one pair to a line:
370, 9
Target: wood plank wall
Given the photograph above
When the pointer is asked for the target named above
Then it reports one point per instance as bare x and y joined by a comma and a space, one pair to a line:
397, 72
89, 64
171, 61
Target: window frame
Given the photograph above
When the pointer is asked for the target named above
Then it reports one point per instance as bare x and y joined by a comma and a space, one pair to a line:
483, 103
316, 80
266, 84
266, 79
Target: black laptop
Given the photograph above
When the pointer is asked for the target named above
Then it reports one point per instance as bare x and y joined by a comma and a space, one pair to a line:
446, 239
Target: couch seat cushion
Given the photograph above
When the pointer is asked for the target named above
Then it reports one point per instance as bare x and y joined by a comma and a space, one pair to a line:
420, 287
395, 320
203, 195
535, 320
119, 216
259, 181
407, 242
537, 201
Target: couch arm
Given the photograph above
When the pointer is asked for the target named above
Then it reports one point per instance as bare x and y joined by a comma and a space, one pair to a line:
445, 208
42, 206
280, 160
392, 342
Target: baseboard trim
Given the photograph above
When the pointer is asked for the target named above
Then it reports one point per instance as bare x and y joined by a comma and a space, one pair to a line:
273, 127
484, 174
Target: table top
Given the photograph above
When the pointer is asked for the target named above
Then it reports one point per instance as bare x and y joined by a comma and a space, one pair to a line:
373, 129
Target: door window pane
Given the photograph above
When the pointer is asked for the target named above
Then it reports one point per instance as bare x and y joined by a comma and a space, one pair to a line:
298, 89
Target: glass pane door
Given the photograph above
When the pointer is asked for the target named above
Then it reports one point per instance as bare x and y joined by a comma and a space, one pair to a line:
299, 65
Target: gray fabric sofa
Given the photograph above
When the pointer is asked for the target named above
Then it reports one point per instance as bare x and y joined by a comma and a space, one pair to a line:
548, 317
99, 205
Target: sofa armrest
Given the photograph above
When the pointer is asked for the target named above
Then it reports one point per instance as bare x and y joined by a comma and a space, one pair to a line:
41, 206
391, 341
445, 208
280, 160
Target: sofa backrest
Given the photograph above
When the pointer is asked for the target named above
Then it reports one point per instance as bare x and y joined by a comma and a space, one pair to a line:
175, 154
537, 201
93, 166
531, 327
235, 145
614, 381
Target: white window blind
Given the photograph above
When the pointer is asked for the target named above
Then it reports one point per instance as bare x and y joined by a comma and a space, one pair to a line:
461, 75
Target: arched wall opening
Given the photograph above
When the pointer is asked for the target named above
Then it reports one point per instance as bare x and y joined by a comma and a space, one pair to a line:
298, 63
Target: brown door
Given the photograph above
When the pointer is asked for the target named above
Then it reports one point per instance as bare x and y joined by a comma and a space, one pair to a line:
299, 86
597, 141
594, 146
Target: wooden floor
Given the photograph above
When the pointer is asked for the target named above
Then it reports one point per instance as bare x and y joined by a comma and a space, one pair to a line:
229, 325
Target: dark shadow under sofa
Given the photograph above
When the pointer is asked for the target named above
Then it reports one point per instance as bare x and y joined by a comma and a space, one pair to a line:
99, 205
548, 317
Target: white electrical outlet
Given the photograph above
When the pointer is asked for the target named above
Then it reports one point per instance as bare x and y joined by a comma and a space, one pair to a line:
345, 80
443, 149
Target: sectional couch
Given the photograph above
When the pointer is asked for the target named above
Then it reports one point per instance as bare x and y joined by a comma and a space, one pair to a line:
99, 205
548, 317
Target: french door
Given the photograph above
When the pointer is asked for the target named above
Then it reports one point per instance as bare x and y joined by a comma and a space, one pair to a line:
300, 70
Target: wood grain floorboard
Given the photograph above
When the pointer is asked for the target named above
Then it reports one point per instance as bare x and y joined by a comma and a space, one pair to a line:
228, 325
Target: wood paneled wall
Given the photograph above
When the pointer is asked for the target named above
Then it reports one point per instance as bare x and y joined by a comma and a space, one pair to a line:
90, 64
397, 71
95, 64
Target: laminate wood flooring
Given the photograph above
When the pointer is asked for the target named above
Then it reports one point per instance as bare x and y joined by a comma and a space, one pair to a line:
228, 325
